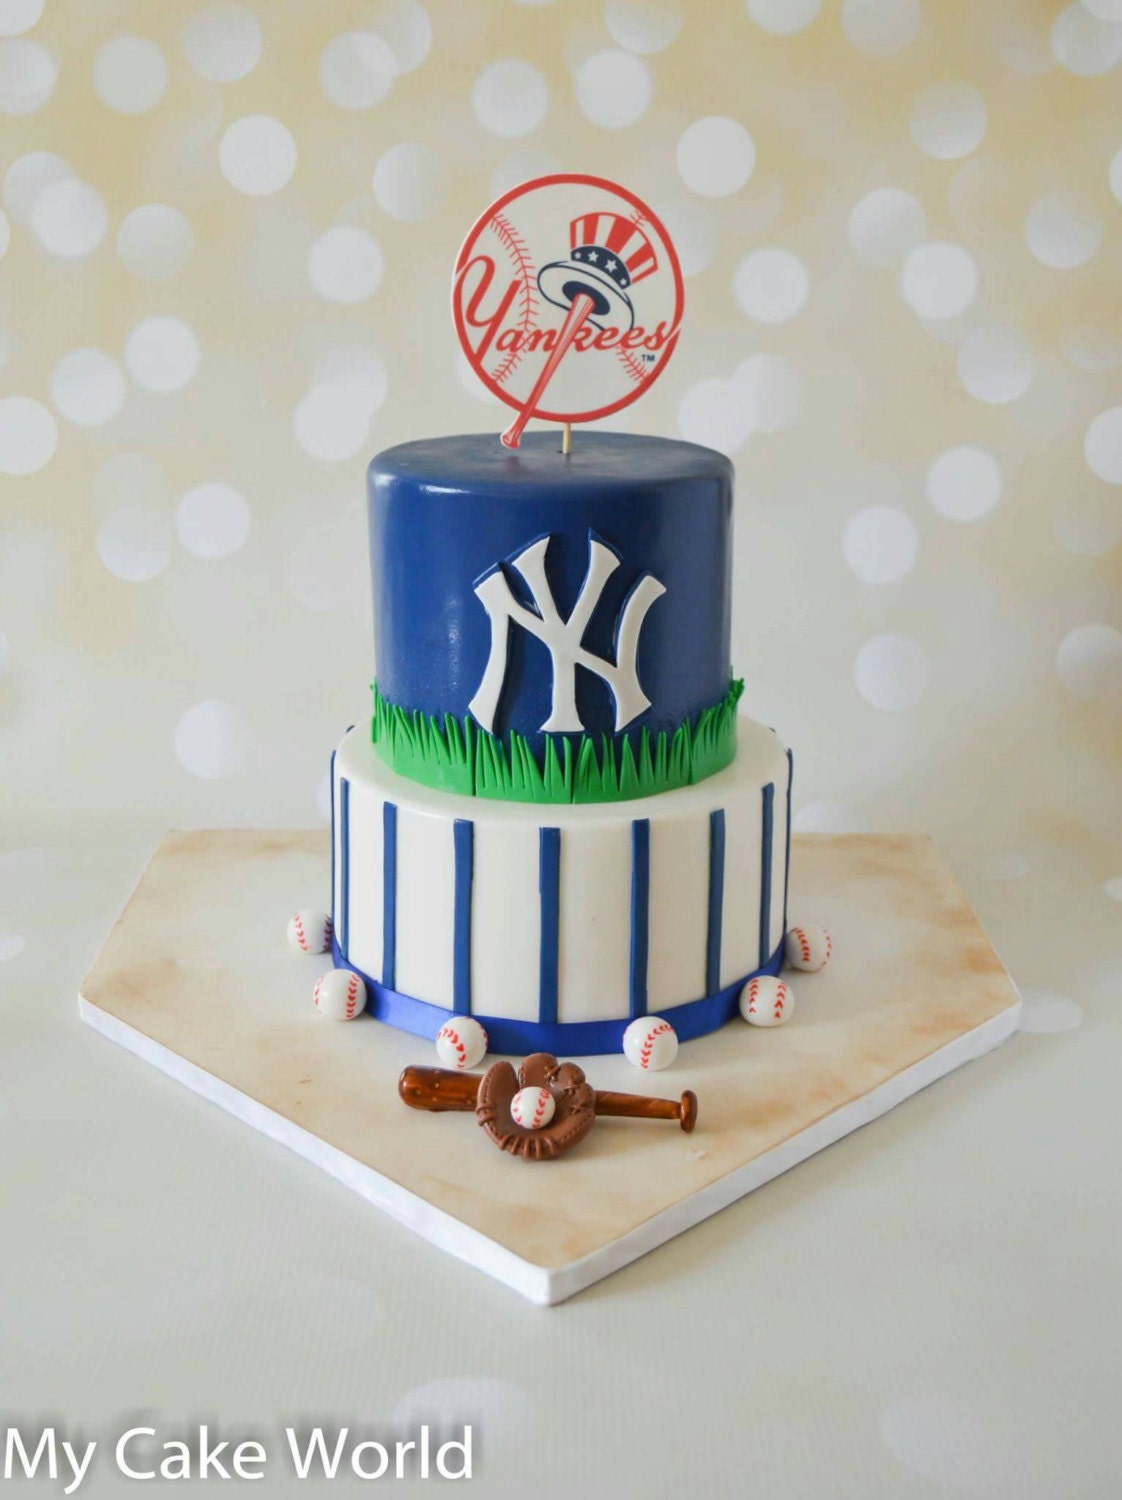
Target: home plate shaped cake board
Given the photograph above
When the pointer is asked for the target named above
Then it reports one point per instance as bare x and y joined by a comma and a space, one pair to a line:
197, 978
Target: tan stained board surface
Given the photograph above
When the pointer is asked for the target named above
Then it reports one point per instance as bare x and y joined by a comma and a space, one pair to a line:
199, 964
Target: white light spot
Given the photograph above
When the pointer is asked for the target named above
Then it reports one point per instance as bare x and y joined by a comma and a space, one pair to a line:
211, 739
939, 280
614, 89
257, 155
1047, 1013
1102, 445
1113, 887
948, 120
694, 231
212, 520
714, 413
130, 75
357, 70
134, 541
345, 265
880, 544
1063, 229
1088, 523
891, 672
1005, 865
409, 183
223, 42
946, 1443
964, 483
771, 285
88, 387
28, 435
405, 27
996, 365
522, 166
28, 74
1083, 44
885, 224
18, 16
716, 156
1115, 177
783, 17
155, 242
26, 178
332, 420
1089, 661
829, 817
69, 218
162, 354
11, 944
510, 97
643, 25
880, 28
772, 390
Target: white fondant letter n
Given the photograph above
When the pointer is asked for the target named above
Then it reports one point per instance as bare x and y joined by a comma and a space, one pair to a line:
563, 638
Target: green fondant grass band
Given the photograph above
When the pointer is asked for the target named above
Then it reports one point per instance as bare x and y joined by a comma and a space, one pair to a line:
455, 755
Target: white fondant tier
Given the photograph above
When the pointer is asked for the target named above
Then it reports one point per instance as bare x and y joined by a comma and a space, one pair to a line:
560, 915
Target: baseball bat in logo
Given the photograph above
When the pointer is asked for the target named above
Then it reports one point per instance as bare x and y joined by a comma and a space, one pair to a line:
567, 297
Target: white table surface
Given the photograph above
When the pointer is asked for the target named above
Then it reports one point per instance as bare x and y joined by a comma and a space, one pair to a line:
930, 1307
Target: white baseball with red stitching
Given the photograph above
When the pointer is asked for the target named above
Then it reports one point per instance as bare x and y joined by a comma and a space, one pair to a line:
808, 948
532, 1108
461, 1043
767, 1001
340, 995
650, 1043
309, 930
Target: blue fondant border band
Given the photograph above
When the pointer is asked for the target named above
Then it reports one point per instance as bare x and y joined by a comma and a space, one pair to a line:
564, 1039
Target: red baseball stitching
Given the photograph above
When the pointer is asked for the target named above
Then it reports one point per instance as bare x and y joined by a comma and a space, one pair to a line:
352, 995
645, 1051
450, 1034
519, 254
630, 364
299, 926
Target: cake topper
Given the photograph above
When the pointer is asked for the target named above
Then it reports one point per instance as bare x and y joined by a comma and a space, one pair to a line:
567, 297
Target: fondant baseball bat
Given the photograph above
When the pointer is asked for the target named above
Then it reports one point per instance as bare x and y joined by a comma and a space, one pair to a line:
439, 1089
579, 309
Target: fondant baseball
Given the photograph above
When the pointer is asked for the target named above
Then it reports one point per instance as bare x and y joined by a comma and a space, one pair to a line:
461, 1043
340, 995
532, 1108
808, 948
767, 1001
650, 1043
309, 930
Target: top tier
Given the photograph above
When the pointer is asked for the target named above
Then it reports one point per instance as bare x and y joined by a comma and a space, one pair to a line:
564, 615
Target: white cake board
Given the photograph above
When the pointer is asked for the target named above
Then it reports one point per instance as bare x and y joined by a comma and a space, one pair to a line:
198, 980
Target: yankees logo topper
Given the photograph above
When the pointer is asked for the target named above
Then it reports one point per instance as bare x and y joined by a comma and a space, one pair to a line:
567, 297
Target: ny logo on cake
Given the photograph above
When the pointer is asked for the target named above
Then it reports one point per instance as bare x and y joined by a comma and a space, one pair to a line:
564, 638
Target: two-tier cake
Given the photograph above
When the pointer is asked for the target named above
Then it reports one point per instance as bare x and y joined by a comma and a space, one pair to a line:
557, 821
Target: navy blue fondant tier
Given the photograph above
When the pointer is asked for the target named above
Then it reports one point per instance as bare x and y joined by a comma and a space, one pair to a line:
536, 594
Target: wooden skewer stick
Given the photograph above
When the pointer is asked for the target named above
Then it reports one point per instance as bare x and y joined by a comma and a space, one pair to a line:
567, 438
439, 1089
579, 309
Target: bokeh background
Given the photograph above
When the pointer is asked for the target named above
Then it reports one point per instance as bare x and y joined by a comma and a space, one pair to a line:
227, 233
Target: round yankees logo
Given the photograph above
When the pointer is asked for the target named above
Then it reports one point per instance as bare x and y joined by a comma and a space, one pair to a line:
567, 297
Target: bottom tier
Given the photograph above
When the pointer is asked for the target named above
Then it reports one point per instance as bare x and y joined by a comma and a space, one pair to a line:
557, 925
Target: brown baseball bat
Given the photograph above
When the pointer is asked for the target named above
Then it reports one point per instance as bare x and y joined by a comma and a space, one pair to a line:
439, 1089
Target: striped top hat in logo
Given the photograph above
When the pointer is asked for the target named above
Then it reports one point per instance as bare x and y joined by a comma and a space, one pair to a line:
567, 297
